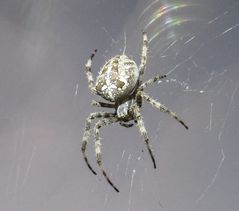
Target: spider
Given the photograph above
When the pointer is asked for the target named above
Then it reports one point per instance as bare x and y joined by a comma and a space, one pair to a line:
120, 83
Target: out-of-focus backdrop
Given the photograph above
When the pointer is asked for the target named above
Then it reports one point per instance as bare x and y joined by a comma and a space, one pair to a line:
44, 100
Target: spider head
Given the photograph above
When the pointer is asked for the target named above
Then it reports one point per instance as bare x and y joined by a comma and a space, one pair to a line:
117, 78
124, 110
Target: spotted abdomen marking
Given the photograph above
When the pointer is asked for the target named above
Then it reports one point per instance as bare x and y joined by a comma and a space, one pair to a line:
117, 78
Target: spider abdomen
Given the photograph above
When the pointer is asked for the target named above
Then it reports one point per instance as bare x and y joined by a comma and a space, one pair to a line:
117, 78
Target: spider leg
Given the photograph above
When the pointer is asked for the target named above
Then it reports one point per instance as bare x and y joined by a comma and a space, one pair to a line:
150, 81
139, 100
89, 73
99, 124
102, 104
143, 55
127, 125
143, 132
86, 135
161, 107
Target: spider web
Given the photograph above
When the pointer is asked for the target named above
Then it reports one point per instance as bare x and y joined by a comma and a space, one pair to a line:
191, 59
45, 100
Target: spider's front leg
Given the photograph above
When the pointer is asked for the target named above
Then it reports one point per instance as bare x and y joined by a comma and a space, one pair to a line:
87, 134
127, 125
99, 124
89, 73
143, 131
161, 107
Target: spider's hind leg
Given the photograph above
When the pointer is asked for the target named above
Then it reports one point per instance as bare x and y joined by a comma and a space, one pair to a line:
99, 124
102, 104
151, 80
143, 55
89, 73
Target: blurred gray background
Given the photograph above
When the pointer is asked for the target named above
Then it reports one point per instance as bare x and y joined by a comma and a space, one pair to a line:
44, 100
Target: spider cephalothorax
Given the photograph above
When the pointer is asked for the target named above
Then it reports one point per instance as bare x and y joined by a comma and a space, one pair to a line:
120, 83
